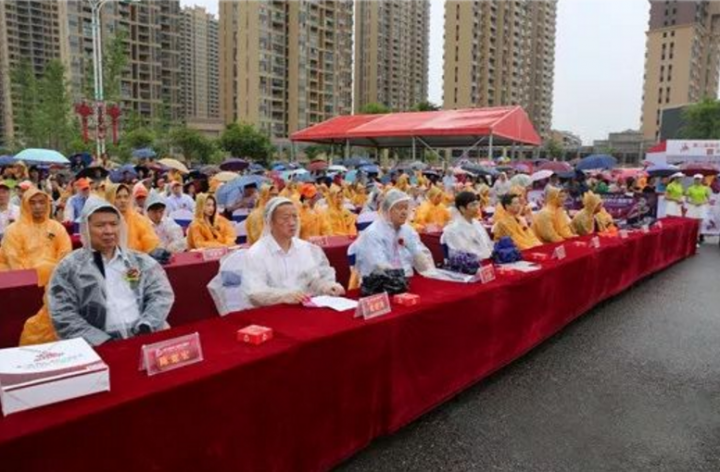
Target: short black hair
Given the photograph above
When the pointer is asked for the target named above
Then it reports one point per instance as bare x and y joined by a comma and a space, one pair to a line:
507, 199
465, 198
157, 204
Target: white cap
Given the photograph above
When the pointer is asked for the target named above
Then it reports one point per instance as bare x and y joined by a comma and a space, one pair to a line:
697, 176
677, 175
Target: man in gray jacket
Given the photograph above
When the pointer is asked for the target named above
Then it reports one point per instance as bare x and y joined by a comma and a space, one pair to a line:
106, 291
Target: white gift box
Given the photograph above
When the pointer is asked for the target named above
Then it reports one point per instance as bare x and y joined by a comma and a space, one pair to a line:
33, 376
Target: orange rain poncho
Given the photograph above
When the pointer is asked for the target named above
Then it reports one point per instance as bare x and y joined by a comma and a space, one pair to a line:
360, 196
140, 234
313, 221
432, 212
552, 223
254, 222
584, 221
342, 220
34, 245
202, 233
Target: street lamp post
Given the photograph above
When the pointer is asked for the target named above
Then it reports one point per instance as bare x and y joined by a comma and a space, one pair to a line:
95, 9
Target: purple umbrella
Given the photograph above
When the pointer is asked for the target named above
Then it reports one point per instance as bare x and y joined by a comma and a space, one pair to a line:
234, 164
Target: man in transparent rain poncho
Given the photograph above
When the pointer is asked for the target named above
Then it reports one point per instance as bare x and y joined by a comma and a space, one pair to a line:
106, 291
390, 242
280, 267
465, 233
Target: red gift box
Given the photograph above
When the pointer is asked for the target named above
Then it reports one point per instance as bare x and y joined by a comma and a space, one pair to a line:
254, 334
406, 299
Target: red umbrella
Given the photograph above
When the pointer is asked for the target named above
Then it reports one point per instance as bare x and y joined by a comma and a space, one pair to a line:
317, 165
556, 166
692, 168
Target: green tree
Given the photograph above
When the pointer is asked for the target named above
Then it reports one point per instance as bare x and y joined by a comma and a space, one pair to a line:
553, 148
26, 103
115, 58
54, 113
314, 150
139, 138
426, 106
243, 140
193, 145
374, 109
702, 120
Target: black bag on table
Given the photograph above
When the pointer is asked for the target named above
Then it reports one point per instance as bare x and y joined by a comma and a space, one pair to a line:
392, 281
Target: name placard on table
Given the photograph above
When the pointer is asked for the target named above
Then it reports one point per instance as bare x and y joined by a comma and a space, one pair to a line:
559, 253
486, 274
214, 253
171, 354
373, 306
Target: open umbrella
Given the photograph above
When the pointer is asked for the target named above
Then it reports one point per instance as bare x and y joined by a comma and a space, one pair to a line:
525, 167
692, 168
522, 180
356, 162
234, 164
228, 193
93, 173
292, 174
7, 160
119, 174
41, 156
225, 176
597, 161
661, 170
210, 170
315, 166
174, 164
541, 175
337, 168
555, 166
255, 167
82, 159
369, 169
479, 170
144, 153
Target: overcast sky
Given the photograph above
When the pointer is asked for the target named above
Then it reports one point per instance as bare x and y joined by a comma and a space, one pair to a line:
599, 63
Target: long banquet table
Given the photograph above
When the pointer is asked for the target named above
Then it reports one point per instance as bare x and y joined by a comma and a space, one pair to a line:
327, 384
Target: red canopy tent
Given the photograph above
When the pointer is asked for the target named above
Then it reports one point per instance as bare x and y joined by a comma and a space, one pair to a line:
447, 128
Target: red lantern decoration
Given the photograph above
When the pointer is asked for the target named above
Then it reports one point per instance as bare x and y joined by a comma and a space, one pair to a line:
84, 110
114, 112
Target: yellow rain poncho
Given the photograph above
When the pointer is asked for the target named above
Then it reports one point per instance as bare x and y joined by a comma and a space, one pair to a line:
517, 229
432, 212
521, 192
552, 223
584, 221
359, 196
605, 222
483, 192
28, 244
202, 233
313, 221
140, 234
342, 220
403, 183
254, 221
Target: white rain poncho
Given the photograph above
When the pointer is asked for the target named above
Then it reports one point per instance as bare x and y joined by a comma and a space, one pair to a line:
78, 298
226, 288
381, 246
271, 275
471, 237
170, 233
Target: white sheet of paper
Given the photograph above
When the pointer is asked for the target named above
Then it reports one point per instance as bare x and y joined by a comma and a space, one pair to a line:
449, 276
335, 303
521, 266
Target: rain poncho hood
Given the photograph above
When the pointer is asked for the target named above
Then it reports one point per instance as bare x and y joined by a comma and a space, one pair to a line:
270, 208
584, 221
26, 212
154, 199
92, 206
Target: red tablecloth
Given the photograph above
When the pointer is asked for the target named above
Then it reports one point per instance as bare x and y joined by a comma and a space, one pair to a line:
327, 384
188, 274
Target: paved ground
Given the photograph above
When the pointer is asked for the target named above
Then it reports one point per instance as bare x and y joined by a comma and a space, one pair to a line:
633, 385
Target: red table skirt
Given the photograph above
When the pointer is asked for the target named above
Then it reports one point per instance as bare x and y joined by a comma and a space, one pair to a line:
327, 384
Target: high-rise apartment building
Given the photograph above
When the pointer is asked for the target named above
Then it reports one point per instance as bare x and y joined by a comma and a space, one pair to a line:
391, 53
501, 53
200, 91
682, 59
292, 62
29, 30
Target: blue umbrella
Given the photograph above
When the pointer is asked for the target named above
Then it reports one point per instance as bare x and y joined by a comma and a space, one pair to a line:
6, 160
351, 176
305, 178
118, 175
479, 170
370, 169
597, 161
254, 167
82, 159
662, 170
144, 153
279, 167
41, 156
357, 162
231, 191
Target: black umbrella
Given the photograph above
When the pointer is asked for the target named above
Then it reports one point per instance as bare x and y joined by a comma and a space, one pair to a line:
93, 173
234, 164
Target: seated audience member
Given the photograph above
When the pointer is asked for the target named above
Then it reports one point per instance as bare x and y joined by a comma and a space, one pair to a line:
167, 230
584, 221
140, 234
465, 233
282, 268
432, 214
552, 223
209, 229
513, 225
105, 290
